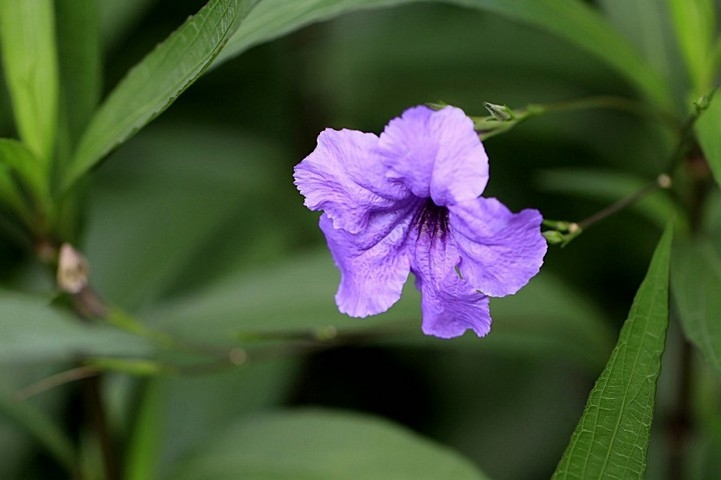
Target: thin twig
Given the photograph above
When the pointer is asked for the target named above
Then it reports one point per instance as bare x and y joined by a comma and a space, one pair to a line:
621, 204
53, 381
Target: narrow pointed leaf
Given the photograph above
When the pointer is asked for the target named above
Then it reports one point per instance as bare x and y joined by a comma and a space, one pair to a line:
312, 444
154, 83
80, 69
274, 18
573, 21
145, 445
611, 439
10, 195
18, 158
696, 283
27, 38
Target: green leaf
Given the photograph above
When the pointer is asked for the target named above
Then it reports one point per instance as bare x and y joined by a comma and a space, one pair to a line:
31, 331
708, 131
323, 445
612, 437
27, 38
695, 284
694, 22
80, 68
10, 195
18, 158
25, 416
571, 20
274, 18
154, 83
144, 445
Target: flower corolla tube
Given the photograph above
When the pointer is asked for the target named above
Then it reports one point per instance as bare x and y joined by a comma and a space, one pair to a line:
410, 200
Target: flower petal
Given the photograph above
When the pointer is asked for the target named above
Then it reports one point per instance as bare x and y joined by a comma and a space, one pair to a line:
501, 250
371, 278
452, 308
449, 303
435, 154
344, 178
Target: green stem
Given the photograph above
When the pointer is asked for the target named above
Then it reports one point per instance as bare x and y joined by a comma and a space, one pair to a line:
687, 134
663, 181
607, 102
503, 118
56, 380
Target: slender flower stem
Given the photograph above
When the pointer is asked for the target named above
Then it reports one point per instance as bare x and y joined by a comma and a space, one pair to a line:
72, 277
56, 380
663, 181
503, 118
562, 232
687, 137
680, 426
611, 103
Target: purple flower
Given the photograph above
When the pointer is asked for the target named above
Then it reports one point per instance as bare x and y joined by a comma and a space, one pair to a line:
409, 201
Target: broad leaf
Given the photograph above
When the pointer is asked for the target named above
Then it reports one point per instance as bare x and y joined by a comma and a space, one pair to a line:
31, 331
696, 283
316, 444
571, 20
274, 18
611, 438
708, 130
25, 164
154, 83
27, 39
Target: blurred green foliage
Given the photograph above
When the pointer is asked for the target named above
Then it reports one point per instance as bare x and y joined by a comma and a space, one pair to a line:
194, 229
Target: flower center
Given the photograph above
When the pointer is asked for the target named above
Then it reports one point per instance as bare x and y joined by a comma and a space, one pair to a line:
432, 219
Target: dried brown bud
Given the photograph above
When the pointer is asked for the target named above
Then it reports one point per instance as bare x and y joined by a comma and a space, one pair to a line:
73, 271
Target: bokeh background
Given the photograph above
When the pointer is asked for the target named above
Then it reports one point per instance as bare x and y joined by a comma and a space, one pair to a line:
195, 225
